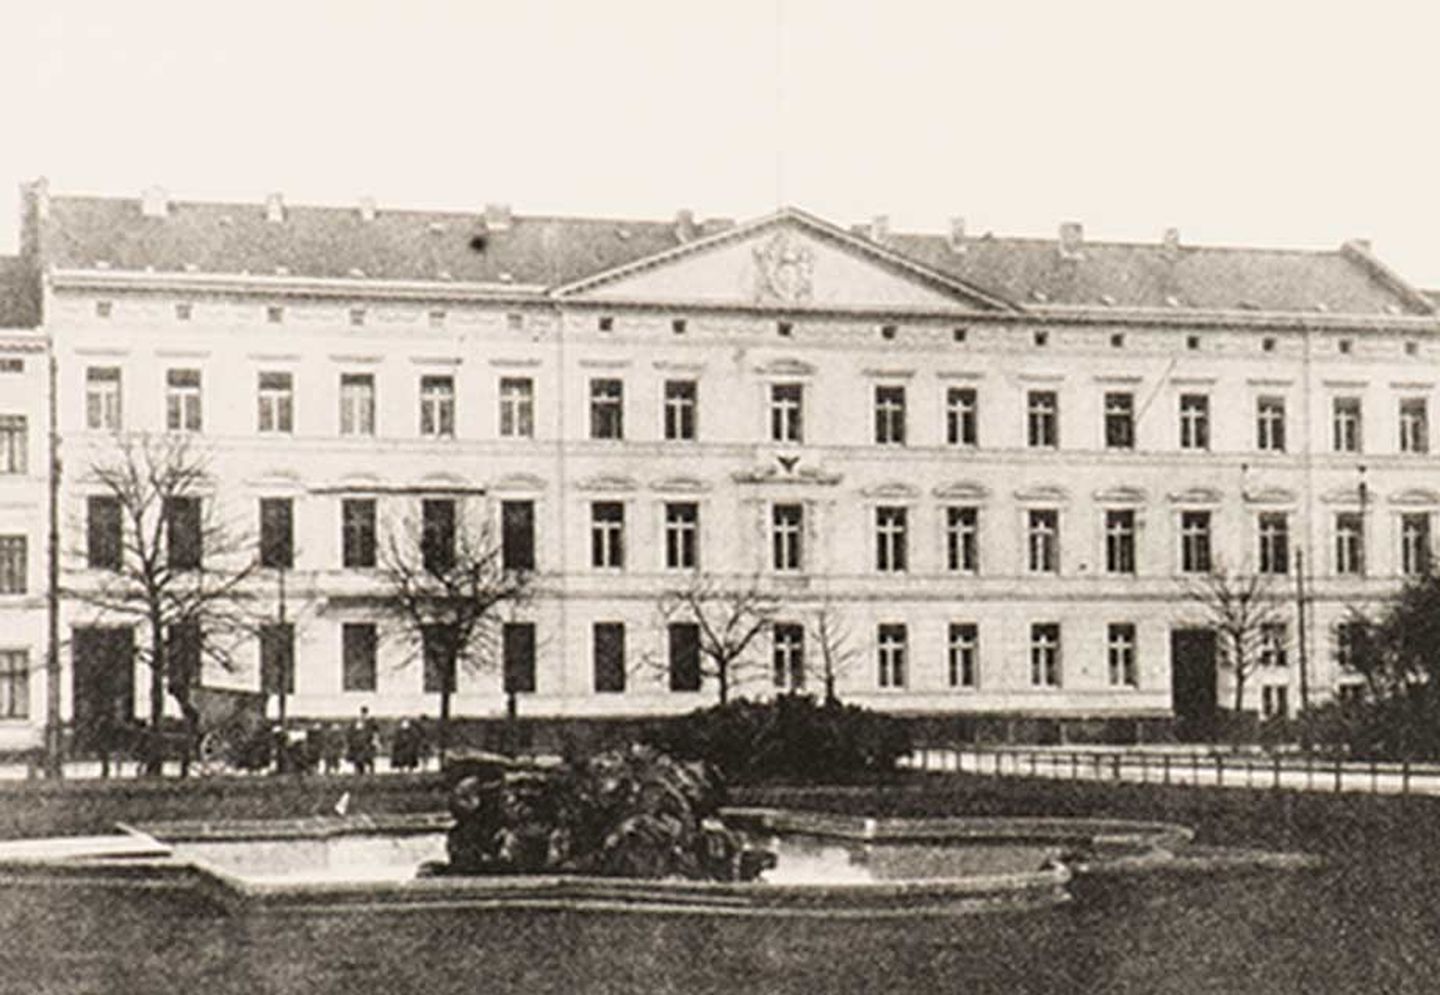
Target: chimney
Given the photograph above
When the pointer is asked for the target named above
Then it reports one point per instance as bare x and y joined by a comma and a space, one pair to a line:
1171, 240
1363, 244
957, 234
40, 189
155, 202
685, 225
497, 217
1072, 233
274, 208
367, 208
880, 229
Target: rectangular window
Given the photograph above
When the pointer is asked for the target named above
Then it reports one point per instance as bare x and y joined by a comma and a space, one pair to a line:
358, 654
1415, 544
1120, 646
891, 546
682, 535
182, 400
891, 650
1044, 541
1350, 644
14, 684
1119, 421
103, 541
13, 438
517, 408
607, 409
1194, 421
12, 565
609, 651
961, 416
276, 398
789, 656
439, 658
1274, 543
1120, 541
607, 535
437, 534
964, 655
182, 533
1045, 655
1414, 425
787, 412
684, 656
277, 657
517, 535
277, 533
680, 398
1275, 701
1195, 542
962, 539
437, 406
518, 648
1349, 543
357, 532
1270, 424
182, 651
102, 398
357, 404
1346, 424
787, 536
890, 415
1274, 641
1043, 421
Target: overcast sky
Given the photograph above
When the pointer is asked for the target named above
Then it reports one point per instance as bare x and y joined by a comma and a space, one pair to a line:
1285, 124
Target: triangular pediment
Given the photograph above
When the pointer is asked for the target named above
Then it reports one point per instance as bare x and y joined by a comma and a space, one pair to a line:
791, 261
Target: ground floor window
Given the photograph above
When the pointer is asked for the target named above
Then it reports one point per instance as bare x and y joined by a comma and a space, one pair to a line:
609, 650
684, 656
891, 655
1045, 655
964, 655
358, 655
1274, 701
14, 684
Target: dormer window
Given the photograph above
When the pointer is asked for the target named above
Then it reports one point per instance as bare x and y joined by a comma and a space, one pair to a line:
606, 323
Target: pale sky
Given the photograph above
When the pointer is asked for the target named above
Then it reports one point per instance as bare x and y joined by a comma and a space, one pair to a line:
1284, 123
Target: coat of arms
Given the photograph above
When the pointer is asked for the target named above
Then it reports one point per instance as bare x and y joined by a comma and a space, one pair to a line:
783, 269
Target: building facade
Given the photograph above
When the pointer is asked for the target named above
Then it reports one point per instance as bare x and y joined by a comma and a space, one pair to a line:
997, 467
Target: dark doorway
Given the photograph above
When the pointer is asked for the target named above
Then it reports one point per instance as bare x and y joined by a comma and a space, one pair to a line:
104, 695
1192, 683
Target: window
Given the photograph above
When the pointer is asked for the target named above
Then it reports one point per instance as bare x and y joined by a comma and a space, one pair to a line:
1045, 655
277, 536
680, 409
1195, 542
1274, 640
104, 309
1349, 543
12, 444
182, 400
678, 326
1414, 426
1194, 421
439, 652
1351, 640
437, 406
274, 314
1042, 424
890, 415
1192, 342
517, 535
787, 412
789, 656
1274, 543
277, 657
961, 412
1415, 544
684, 656
891, 654
12, 565
1041, 339
962, 539
437, 534
358, 654
887, 332
102, 398
103, 548
1268, 343
1120, 645
517, 408
436, 318
964, 655
609, 653
1270, 424
682, 535
1120, 541
1119, 421
182, 651
784, 329
276, 399
357, 404
11, 364
14, 684
182, 533
1044, 541
607, 535
515, 321
1275, 701
518, 649
787, 536
1346, 424
605, 323
357, 316
890, 542
959, 334
607, 409
357, 532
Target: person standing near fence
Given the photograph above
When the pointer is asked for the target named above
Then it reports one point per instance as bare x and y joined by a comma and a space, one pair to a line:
361, 743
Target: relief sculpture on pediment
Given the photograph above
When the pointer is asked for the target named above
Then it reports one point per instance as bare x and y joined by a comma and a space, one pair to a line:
784, 269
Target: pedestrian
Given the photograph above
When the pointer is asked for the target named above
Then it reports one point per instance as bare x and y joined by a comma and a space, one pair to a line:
361, 743
332, 746
405, 746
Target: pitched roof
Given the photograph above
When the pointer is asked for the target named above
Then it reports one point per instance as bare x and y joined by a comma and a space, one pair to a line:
18, 294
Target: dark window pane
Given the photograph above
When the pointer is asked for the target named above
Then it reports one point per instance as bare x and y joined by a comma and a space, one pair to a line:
684, 656
437, 539
359, 656
517, 535
358, 532
277, 657
103, 539
182, 532
277, 533
519, 640
609, 657
439, 657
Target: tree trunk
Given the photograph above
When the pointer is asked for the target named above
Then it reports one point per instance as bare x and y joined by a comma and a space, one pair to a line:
1239, 682
192, 730
155, 745
447, 687
830, 698
722, 675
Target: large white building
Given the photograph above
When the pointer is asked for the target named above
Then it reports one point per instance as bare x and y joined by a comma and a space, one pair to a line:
999, 462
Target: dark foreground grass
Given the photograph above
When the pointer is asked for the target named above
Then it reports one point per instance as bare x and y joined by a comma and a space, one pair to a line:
1368, 922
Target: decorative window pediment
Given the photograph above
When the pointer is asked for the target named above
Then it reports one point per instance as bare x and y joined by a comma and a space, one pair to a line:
962, 490
891, 489
607, 482
1044, 494
680, 485
519, 483
1195, 495
1120, 495
1415, 496
1270, 495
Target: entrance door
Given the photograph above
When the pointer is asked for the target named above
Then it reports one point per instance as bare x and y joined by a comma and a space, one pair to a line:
104, 695
1192, 683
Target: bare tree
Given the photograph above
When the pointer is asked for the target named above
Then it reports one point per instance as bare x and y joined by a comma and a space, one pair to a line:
834, 641
446, 583
1240, 607
728, 616
167, 560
